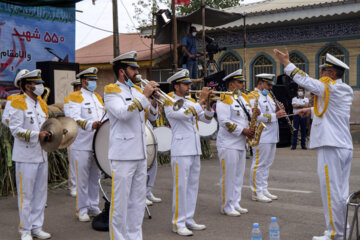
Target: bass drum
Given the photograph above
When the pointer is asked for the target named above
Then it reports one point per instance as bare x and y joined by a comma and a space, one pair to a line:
206, 130
101, 147
163, 137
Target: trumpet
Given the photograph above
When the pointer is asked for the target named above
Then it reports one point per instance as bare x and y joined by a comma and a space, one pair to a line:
163, 97
234, 93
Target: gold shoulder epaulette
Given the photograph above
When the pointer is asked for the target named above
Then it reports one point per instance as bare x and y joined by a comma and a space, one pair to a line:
327, 80
76, 97
43, 105
99, 98
167, 102
19, 102
137, 88
9, 98
227, 99
112, 88
191, 99
66, 99
245, 97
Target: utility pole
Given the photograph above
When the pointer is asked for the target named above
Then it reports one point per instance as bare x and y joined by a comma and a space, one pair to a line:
115, 29
174, 26
152, 39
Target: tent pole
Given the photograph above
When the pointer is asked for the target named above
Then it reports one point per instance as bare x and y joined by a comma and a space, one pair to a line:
203, 36
175, 54
152, 40
244, 67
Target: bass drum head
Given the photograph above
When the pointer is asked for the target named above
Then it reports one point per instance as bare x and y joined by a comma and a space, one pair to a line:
163, 137
206, 130
101, 147
151, 146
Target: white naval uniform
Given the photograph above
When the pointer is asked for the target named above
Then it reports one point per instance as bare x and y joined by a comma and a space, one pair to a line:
26, 118
72, 169
127, 156
151, 172
85, 107
185, 159
264, 153
330, 136
231, 145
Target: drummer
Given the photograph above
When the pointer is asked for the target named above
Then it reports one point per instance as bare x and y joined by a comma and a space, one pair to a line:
86, 108
72, 171
128, 107
186, 151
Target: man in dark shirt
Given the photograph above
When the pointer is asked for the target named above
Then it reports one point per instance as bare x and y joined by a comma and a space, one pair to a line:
189, 50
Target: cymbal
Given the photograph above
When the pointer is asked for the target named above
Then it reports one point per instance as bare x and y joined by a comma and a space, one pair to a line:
70, 131
53, 126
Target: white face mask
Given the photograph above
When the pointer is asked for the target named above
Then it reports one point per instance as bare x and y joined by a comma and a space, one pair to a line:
39, 89
300, 94
193, 34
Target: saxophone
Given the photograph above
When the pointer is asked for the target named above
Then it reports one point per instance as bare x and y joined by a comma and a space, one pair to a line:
47, 93
254, 141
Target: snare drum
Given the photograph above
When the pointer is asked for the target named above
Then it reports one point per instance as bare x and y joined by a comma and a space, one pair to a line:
163, 137
101, 147
206, 130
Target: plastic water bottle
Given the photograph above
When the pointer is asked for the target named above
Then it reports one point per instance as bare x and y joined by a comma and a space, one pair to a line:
274, 229
255, 232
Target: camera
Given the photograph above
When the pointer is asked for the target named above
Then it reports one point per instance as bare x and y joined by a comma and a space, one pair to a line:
212, 47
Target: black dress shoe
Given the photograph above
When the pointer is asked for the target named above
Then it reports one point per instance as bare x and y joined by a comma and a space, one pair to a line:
293, 148
304, 148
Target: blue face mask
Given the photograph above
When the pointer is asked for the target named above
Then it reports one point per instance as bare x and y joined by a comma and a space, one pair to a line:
129, 83
91, 86
264, 92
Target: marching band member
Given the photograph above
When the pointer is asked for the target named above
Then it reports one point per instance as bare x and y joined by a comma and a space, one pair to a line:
185, 152
5, 115
128, 107
27, 113
330, 135
234, 117
264, 153
72, 171
86, 108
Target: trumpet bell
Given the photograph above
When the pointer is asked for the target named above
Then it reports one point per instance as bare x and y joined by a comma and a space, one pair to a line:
70, 131
53, 126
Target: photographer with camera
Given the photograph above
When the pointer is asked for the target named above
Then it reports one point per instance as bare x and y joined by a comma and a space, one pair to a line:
190, 53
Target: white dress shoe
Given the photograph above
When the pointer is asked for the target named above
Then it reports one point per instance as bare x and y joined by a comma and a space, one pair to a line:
148, 202
41, 234
84, 218
94, 212
271, 196
195, 226
154, 199
261, 198
73, 193
233, 213
241, 210
26, 236
183, 232
321, 238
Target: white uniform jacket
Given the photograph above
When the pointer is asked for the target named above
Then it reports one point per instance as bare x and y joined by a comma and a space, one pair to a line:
127, 109
5, 118
85, 108
267, 108
232, 120
26, 119
333, 128
185, 132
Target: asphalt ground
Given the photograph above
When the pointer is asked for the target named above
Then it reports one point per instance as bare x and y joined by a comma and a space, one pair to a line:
292, 177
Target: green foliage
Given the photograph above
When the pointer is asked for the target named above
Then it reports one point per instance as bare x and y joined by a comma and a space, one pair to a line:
196, 4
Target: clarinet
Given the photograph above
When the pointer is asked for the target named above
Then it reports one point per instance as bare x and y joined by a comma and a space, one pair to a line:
292, 129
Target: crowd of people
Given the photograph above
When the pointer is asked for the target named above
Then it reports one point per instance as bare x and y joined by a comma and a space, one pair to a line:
129, 108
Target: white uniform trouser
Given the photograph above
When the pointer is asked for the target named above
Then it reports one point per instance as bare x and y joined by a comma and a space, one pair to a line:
127, 199
31, 182
263, 158
186, 172
151, 178
72, 170
334, 166
232, 165
88, 175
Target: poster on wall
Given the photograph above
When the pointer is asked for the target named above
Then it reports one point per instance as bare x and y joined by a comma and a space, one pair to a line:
32, 34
